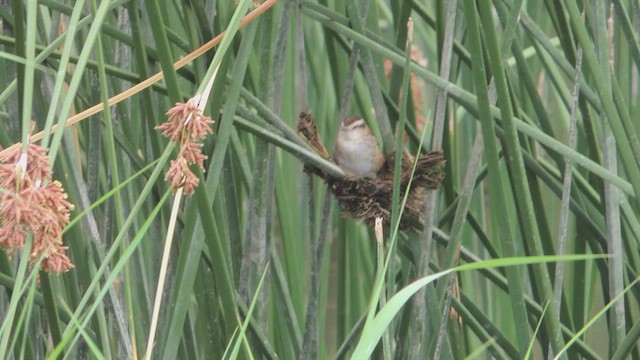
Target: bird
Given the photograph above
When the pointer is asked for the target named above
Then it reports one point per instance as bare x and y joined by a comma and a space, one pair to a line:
356, 149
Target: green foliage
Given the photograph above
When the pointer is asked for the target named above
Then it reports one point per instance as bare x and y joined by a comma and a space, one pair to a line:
530, 248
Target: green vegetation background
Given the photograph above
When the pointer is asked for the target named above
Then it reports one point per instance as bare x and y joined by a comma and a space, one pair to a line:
534, 103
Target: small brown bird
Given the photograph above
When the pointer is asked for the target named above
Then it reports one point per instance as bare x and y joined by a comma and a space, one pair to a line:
356, 149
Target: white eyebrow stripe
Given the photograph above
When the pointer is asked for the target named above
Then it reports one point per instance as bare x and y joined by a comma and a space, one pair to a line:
356, 123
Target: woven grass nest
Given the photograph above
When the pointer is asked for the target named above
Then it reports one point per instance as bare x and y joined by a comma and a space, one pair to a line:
366, 199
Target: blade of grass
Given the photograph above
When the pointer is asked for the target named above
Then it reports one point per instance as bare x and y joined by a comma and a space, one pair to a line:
527, 355
163, 272
529, 223
245, 323
622, 132
496, 187
375, 327
6, 330
68, 336
600, 313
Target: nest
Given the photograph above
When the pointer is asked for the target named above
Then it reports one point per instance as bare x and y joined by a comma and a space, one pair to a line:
369, 198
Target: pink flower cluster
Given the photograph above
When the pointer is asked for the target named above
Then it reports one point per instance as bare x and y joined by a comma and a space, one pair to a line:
187, 126
30, 201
